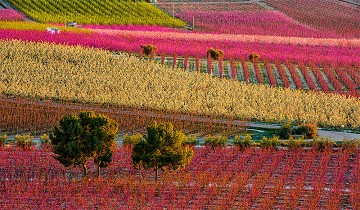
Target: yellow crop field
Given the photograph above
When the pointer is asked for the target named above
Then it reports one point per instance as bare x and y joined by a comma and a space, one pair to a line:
39, 70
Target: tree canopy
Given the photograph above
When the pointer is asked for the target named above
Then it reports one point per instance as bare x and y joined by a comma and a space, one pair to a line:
162, 148
82, 136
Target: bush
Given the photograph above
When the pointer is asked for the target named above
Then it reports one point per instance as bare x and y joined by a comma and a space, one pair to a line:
243, 143
216, 142
24, 141
270, 143
286, 131
45, 141
323, 144
3, 140
309, 130
295, 143
149, 50
132, 140
350, 145
190, 141
254, 57
215, 54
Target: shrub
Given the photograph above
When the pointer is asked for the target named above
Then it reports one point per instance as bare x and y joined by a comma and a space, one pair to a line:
215, 54
295, 143
270, 143
24, 141
309, 130
190, 141
350, 145
242, 143
216, 142
254, 57
286, 131
149, 50
3, 138
45, 141
323, 144
132, 140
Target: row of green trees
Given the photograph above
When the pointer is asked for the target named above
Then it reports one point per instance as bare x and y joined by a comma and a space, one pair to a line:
80, 137
84, 136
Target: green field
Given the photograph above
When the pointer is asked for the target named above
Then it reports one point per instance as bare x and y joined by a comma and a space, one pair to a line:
103, 12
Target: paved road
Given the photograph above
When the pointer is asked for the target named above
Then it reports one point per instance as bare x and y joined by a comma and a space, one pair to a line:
333, 135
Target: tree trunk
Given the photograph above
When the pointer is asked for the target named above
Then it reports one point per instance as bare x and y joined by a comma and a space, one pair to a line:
140, 175
156, 175
85, 170
98, 169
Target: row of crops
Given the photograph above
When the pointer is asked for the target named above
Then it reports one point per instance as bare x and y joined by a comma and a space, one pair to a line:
106, 12
20, 115
327, 78
37, 70
222, 179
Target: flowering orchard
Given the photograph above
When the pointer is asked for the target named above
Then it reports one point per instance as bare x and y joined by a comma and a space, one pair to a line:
308, 18
221, 179
318, 51
10, 15
338, 17
45, 71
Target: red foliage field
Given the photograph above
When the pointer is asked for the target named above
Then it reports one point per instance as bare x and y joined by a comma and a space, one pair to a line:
221, 179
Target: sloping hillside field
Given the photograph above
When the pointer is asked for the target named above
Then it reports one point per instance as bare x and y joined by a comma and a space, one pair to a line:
179, 104
38, 70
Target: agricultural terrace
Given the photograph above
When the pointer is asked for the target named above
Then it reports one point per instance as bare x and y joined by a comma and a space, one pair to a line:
48, 71
103, 12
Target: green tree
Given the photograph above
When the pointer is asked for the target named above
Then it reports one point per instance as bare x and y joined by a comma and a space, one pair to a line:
82, 136
162, 147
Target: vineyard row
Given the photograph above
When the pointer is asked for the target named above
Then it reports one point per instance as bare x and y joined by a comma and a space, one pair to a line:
19, 115
327, 78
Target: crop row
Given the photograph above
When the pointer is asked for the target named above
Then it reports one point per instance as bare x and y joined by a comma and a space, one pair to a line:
220, 179
95, 12
19, 115
47, 71
327, 78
